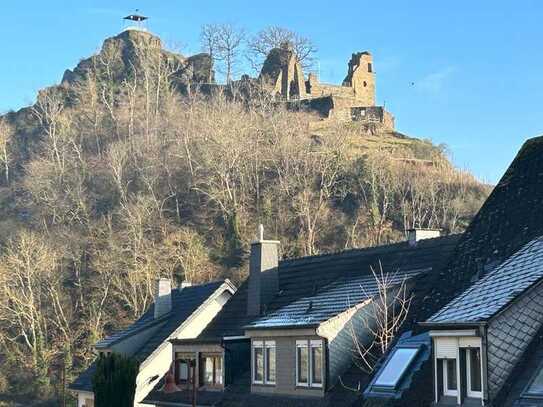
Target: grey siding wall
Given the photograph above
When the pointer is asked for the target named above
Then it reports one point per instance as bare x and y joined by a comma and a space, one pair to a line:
342, 349
509, 334
285, 348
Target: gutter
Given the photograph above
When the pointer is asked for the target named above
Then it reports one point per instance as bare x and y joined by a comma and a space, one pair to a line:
277, 327
458, 325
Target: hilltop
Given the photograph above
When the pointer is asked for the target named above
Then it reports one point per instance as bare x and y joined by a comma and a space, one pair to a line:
138, 165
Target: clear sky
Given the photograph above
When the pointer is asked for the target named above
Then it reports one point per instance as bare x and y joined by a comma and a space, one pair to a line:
476, 65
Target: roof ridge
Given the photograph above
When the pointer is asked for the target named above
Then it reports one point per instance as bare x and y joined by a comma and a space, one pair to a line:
364, 249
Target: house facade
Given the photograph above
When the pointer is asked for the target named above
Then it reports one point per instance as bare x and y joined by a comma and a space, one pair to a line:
178, 313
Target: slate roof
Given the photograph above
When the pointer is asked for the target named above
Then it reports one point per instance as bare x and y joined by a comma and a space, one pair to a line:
510, 218
185, 302
329, 301
514, 392
83, 382
314, 289
497, 289
231, 319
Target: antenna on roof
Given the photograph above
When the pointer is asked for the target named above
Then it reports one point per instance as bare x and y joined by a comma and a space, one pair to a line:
260, 232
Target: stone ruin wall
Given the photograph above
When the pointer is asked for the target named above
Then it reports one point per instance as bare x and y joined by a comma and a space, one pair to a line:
343, 109
315, 88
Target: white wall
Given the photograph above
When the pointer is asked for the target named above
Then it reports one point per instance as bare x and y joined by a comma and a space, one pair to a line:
196, 325
82, 396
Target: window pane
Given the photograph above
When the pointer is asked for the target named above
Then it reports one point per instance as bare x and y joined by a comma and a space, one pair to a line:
475, 368
303, 364
270, 364
316, 363
259, 364
208, 370
537, 385
396, 367
183, 370
218, 370
451, 374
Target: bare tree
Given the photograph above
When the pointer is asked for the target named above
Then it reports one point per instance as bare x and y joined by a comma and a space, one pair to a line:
274, 37
382, 317
32, 309
6, 134
223, 42
209, 39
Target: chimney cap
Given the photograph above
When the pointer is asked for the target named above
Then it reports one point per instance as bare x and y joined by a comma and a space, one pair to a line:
260, 236
416, 234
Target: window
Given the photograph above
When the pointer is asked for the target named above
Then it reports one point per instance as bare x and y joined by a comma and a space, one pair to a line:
370, 68
264, 362
473, 372
458, 364
212, 374
270, 362
396, 367
450, 387
309, 363
182, 371
316, 363
182, 368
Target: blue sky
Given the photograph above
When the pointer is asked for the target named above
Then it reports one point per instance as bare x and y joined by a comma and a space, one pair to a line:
476, 65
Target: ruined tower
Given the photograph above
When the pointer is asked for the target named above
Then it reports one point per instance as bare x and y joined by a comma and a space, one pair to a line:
282, 74
361, 78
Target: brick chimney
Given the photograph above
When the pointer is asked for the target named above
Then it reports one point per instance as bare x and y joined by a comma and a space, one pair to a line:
414, 235
263, 273
163, 297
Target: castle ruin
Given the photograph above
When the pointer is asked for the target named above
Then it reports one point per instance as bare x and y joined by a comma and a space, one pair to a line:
354, 100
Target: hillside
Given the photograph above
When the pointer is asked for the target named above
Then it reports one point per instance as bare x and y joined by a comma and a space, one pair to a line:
123, 173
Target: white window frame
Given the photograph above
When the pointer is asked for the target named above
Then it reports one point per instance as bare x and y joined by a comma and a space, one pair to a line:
471, 393
309, 344
264, 345
269, 345
446, 390
302, 344
257, 345
313, 345
447, 346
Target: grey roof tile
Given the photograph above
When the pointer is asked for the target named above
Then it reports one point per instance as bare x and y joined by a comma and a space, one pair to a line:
497, 289
314, 289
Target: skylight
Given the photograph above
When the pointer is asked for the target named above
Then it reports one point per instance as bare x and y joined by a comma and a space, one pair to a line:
396, 367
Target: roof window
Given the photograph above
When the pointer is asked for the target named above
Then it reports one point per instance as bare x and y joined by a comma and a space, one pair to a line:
396, 367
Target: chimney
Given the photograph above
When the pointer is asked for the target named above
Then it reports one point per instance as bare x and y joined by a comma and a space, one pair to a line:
163, 297
263, 273
414, 235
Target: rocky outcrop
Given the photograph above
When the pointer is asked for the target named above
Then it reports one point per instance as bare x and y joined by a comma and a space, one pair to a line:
126, 53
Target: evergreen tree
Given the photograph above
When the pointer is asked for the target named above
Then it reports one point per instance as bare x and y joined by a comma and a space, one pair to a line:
114, 383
